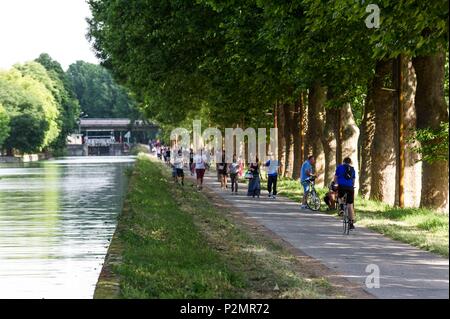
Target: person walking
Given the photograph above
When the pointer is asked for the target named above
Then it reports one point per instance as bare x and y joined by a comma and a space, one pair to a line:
272, 174
200, 161
191, 161
344, 179
167, 155
222, 169
233, 168
307, 172
254, 185
158, 151
179, 165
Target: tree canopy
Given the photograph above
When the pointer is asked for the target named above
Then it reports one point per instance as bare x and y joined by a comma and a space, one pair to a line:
98, 94
27, 100
64, 94
4, 125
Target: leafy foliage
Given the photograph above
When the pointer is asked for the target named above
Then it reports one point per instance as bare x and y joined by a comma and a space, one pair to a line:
4, 125
98, 94
433, 143
28, 130
63, 93
49, 94
24, 97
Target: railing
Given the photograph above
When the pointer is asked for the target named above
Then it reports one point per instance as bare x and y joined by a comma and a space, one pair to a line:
100, 141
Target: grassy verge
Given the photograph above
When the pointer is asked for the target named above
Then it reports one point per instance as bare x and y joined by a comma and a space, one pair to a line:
172, 243
423, 228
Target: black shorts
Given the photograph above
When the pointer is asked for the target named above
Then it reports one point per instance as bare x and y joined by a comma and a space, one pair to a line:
350, 191
223, 172
180, 172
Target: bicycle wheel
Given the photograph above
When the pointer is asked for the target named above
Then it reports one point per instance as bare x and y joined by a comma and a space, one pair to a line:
313, 201
346, 223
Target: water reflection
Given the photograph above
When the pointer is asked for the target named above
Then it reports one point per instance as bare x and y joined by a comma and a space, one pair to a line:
56, 220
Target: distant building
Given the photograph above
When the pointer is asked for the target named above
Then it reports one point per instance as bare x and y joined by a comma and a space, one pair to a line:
111, 131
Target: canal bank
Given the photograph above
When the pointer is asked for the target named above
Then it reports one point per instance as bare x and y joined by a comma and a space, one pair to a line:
175, 242
26, 158
57, 218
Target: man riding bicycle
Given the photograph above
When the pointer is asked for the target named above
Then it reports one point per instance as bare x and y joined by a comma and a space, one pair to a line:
345, 180
305, 176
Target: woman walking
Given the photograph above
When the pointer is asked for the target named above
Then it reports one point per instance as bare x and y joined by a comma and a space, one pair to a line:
254, 185
222, 169
200, 162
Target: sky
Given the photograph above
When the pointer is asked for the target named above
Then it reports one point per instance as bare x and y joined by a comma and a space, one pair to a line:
31, 27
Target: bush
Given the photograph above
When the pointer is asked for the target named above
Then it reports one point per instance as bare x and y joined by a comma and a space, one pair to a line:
139, 148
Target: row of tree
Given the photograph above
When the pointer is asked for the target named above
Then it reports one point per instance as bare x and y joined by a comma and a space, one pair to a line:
333, 84
40, 103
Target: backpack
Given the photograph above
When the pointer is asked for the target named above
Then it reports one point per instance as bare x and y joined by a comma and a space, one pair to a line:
234, 168
348, 174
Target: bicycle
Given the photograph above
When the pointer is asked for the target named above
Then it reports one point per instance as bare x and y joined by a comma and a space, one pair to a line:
343, 210
312, 198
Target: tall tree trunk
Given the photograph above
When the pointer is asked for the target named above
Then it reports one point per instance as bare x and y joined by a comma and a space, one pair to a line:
350, 136
366, 138
336, 126
304, 118
337, 130
383, 146
413, 167
281, 138
329, 144
432, 109
297, 129
289, 118
316, 108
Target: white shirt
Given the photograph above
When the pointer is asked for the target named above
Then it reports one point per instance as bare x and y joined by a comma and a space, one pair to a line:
200, 161
273, 167
179, 162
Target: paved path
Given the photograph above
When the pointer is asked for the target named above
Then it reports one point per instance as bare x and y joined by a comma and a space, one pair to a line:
405, 271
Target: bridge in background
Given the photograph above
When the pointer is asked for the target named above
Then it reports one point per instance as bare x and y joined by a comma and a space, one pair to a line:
109, 136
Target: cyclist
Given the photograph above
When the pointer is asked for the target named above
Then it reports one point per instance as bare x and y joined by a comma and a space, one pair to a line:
345, 179
306, 174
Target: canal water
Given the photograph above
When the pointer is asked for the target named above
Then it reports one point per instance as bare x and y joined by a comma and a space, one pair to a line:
57, 218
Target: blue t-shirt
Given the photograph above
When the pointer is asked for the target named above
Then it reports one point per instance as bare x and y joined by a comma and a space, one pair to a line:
305, 167
340, 173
